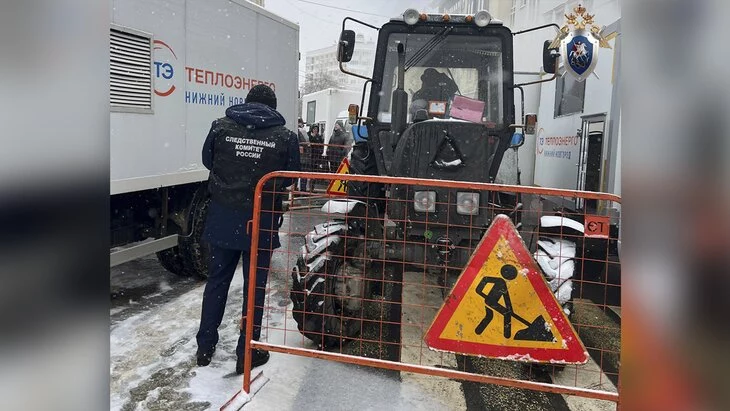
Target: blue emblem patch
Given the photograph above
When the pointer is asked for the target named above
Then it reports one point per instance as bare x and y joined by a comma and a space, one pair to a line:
580, 54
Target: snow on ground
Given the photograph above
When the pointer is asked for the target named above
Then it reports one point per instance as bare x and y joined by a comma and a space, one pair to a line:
153, 361
153, 367
153, 353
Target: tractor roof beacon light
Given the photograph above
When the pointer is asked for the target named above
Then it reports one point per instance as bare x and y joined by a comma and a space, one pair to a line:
482, 18
411, 16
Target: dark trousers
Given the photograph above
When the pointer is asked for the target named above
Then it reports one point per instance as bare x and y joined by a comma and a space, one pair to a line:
223, 264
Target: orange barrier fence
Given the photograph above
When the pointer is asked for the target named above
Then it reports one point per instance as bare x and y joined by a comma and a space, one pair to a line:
376, 279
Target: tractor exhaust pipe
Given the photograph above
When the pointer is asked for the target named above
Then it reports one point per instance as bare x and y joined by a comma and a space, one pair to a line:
400, 98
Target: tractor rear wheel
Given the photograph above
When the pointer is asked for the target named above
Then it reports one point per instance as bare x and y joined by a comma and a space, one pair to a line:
328, 288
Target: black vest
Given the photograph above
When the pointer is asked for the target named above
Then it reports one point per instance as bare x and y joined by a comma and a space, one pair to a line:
241, 156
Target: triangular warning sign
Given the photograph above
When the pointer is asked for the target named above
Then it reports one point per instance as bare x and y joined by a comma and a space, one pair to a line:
501, 307
339, 187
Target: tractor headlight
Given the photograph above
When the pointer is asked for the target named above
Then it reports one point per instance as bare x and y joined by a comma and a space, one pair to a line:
411, 16
424, 201
467, 203
482, 18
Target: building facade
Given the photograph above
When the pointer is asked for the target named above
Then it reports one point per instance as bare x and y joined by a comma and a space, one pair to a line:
462, 6
322, 63
499, 9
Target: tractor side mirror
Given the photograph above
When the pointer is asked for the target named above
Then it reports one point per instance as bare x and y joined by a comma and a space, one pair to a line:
346, 46
518, 139
549, 58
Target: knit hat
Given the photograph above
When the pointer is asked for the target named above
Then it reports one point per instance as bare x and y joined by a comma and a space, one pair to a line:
263, 94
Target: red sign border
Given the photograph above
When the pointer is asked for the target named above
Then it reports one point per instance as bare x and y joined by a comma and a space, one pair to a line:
344, 162
574, 353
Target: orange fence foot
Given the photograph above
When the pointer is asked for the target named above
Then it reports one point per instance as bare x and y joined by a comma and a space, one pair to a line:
242, 398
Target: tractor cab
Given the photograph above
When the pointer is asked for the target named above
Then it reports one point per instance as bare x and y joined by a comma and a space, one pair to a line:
440, 107
440, 78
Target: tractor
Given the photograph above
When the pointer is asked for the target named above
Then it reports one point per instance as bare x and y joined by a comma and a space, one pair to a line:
441, 106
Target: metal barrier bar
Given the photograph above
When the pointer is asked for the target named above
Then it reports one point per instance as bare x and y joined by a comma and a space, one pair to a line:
141, 250
440, 372
421, 182
605, 355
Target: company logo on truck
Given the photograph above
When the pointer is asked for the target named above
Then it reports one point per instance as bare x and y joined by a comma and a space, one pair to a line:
165, 63
568, 143
164, 71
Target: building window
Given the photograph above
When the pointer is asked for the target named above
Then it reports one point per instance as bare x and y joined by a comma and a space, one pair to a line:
556, 15
569, 95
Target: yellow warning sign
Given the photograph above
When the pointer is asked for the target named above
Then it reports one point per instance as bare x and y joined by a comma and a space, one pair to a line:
501, 307
339, 187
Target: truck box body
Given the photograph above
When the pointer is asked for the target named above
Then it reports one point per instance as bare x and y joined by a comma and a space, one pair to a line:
327, 106
588, 159
206, 55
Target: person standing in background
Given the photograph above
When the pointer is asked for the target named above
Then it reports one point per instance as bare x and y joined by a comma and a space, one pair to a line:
316, 144
338, 147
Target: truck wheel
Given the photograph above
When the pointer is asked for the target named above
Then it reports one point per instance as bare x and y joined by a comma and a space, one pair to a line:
194, 251
172, 261
327, 289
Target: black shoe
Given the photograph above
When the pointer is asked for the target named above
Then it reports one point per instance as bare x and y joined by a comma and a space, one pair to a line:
260, 357
204, 357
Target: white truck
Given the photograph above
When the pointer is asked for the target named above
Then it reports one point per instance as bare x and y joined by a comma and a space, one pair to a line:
578, 135
175, 66
326, 107
577, 145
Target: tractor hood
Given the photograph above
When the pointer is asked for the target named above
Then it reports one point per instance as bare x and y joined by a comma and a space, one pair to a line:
446, 150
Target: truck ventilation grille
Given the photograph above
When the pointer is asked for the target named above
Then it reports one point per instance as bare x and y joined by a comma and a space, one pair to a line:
130, 69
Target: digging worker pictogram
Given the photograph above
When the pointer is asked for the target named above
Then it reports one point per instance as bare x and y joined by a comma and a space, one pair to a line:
498, 292
535, 331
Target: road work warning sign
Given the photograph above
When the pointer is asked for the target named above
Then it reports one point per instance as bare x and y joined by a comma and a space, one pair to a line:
501, 307
339, 187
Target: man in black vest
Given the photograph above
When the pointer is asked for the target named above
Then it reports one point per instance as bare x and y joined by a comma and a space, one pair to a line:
249, 142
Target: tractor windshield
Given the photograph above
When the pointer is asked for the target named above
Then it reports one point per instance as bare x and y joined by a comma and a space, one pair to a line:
469, 66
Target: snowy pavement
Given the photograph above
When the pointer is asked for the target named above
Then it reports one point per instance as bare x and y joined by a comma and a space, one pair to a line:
153, 367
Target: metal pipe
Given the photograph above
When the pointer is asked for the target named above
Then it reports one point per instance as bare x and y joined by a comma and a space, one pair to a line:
358, 21
401, 66
557, 28
423, 182
344, 70
538, 81
251, 283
